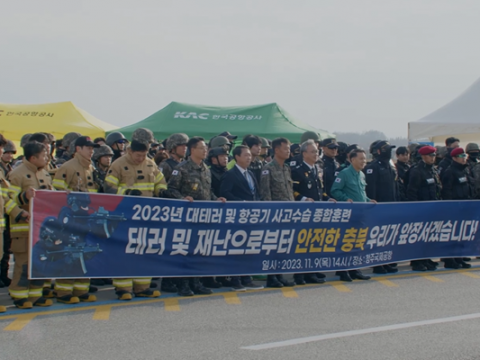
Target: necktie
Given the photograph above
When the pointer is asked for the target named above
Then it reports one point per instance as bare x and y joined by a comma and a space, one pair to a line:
249, 181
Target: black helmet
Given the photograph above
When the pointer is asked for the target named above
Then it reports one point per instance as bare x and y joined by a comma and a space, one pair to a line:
215, 152
114, 137
342, 147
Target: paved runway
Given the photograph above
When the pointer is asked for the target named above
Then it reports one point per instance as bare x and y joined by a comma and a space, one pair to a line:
434, 315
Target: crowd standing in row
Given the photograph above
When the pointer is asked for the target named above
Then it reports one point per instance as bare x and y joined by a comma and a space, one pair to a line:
195, 169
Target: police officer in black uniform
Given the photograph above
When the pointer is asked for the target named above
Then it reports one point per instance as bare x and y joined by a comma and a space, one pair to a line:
402, 165
330, 165
457, 184
382, 184
424, 185
450, 143
308, 186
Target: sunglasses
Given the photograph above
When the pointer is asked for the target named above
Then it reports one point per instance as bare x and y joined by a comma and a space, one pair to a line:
462, 156
121, 141
432, 155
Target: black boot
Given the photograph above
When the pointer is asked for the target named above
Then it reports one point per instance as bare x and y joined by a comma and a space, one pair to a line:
184, 287
299, 279
379, 270
168, 285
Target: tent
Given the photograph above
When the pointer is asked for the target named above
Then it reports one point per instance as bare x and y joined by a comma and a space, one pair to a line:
459, 118
55, 118
269, 120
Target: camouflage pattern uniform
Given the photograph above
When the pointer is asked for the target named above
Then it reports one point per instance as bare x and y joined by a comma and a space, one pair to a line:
68, 142
190, 179
276, 182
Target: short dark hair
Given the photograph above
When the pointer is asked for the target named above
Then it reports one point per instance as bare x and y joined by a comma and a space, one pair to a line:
3, 141
98, 139
193, 142
39, 137
278, 142
33, 148
353, 154
449, 141
251, 140
139, 146
402, 150
238, 150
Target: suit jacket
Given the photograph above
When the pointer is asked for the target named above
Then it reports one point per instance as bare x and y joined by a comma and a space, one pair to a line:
235, 187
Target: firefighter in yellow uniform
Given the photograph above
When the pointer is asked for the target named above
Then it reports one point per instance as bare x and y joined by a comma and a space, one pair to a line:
24, 180
136, 175
7, 206
76, 175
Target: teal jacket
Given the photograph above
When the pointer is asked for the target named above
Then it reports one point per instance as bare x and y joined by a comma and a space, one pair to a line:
350, 184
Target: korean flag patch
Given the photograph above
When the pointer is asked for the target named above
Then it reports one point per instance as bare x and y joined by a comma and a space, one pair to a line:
293, 163
369, 171
175, 172
338, 180
265, 172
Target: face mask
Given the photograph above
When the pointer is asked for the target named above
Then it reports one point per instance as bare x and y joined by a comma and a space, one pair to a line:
473, 156
384, 156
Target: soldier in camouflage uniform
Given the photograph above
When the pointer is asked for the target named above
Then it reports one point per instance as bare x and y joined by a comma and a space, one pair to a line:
177, 149
191, 180
6, 160
68, 143
264, 151
102, 159
276, 185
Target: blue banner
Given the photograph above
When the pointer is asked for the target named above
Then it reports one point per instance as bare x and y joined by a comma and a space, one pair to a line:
79, 235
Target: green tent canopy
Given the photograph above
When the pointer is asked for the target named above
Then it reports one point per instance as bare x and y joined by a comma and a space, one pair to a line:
269, 121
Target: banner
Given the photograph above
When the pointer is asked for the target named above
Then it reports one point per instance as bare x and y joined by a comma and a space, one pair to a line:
80, 235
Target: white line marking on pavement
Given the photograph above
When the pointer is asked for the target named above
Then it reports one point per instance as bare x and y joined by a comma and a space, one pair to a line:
360, 332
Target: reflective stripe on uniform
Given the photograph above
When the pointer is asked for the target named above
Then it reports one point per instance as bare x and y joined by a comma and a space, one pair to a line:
92, 190
63, 286
14, 190
35, 292
47, 284
112, 180
59, 184
9, 206
144, 281
19, 227
81, 285
122, 283
19, 294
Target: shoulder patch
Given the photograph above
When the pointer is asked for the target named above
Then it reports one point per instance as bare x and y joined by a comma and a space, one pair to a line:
265, 172
338, 180
293, 163
369, 171
175, 172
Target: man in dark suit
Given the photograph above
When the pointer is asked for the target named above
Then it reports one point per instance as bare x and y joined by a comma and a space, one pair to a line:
240, 184
308, 186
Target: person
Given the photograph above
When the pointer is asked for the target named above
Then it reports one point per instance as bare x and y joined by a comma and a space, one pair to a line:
457, 184
218, 157
102, 159
68, 143
117, 142
382, 185
220, 141
308, 186
330, 165
346, 163
191, 180
136, 175
29, 176
402, 165
424, 185
8, 207
473, 162
177, 150
6, 160
341, 153
450, 143
276, 185
350, 186
307, 135
254, 143
100, 141
240, 184
229, 136
76, 174
264, 151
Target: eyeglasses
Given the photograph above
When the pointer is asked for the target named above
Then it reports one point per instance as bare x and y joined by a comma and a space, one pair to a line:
121, 141
462, 156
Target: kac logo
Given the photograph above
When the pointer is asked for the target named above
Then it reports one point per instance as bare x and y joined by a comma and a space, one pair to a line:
193, 115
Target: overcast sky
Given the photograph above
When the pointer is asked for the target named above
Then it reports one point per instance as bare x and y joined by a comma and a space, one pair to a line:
347, 65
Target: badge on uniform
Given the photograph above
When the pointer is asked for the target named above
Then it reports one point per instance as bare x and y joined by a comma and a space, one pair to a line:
309, 185
462, 179
369, 171
194, 187
175, 172
306, 174
265, 172
431, 181
338, 180
293, 163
